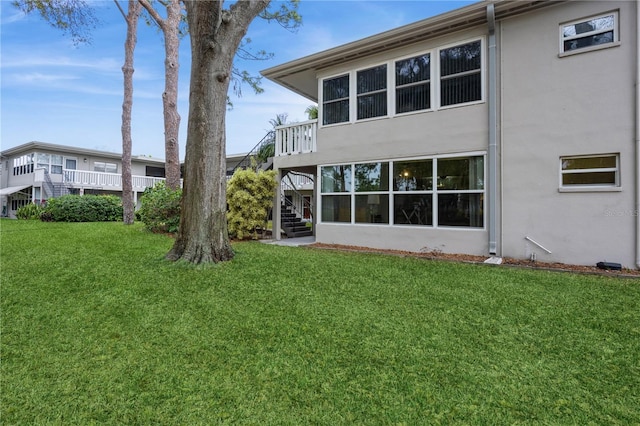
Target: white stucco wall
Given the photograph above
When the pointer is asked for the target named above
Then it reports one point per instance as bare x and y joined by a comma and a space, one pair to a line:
560, 106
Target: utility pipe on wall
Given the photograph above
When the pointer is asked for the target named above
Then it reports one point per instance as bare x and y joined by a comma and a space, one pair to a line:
493, 127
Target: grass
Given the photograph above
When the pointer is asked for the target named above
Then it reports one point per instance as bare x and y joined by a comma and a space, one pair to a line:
98, 329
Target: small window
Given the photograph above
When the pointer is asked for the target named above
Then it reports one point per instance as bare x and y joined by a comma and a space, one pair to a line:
335, 100
70, 163
372, 92
590, 171
596, 31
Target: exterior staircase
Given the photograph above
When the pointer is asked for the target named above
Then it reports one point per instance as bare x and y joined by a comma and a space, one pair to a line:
293, 225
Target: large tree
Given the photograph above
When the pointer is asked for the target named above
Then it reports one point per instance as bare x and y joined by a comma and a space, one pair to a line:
216, 34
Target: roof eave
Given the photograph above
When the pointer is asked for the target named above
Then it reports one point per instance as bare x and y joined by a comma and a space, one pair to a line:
292, 74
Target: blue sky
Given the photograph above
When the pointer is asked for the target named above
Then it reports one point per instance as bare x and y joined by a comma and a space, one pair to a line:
53, 91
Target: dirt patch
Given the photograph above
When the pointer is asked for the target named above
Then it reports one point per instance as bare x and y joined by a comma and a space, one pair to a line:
467, 258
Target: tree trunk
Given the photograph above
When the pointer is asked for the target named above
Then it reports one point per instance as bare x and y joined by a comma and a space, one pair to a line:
215, 36
127, 70
171, 30
170, 95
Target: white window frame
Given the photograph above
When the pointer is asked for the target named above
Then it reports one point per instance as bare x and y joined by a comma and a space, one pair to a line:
432, 77
64, 162
436, 103
321, 103
391, 192
354, 95
614, 43
106, 163
483, 67
614, 187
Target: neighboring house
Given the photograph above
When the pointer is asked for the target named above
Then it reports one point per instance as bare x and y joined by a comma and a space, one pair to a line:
37, 171
506, 128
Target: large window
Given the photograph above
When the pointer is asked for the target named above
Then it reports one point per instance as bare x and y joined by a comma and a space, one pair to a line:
593, 32
413, 84
460, 74
590, 171
440, 191
372, 92
457, 70
335, 100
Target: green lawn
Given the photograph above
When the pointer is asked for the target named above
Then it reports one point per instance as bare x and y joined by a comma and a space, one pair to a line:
98, 329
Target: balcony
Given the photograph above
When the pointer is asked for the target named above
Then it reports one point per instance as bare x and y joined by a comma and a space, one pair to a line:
106, 180
98, 180
296, 138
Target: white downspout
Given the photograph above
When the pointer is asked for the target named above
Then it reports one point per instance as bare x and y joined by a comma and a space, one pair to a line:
637, 144
492, 196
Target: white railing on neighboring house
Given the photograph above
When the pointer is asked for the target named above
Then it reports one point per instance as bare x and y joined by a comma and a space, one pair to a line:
105, 180
297, 138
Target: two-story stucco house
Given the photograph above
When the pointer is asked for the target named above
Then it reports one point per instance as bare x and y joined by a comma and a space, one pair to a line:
506, 128
36, 171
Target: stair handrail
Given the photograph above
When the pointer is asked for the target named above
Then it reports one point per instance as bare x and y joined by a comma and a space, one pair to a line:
291, 187
48, 186
246, 160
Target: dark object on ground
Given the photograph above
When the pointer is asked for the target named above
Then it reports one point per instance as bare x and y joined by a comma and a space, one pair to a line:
609, 265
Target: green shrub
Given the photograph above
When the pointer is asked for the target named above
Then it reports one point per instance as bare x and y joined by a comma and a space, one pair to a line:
83, 208
160, 208
30, 211
249, 197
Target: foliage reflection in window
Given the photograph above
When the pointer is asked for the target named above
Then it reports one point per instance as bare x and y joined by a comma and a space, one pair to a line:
461, 173
336, 178
460, 74
372, 177
372, 92
413, 84
594, 31
335, 100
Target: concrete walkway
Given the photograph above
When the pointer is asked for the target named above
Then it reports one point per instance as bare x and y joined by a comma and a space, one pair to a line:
293, 242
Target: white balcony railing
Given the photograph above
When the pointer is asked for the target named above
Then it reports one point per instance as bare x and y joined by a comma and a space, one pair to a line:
106, 180
297, 138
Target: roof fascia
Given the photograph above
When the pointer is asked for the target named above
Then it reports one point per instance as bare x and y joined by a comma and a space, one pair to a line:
35, 145
446, 23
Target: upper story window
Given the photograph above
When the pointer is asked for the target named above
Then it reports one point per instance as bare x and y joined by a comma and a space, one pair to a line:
413, 84
461, 74
431, 80
335, 100
50, 162
23, 164
594, 32
372, 92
